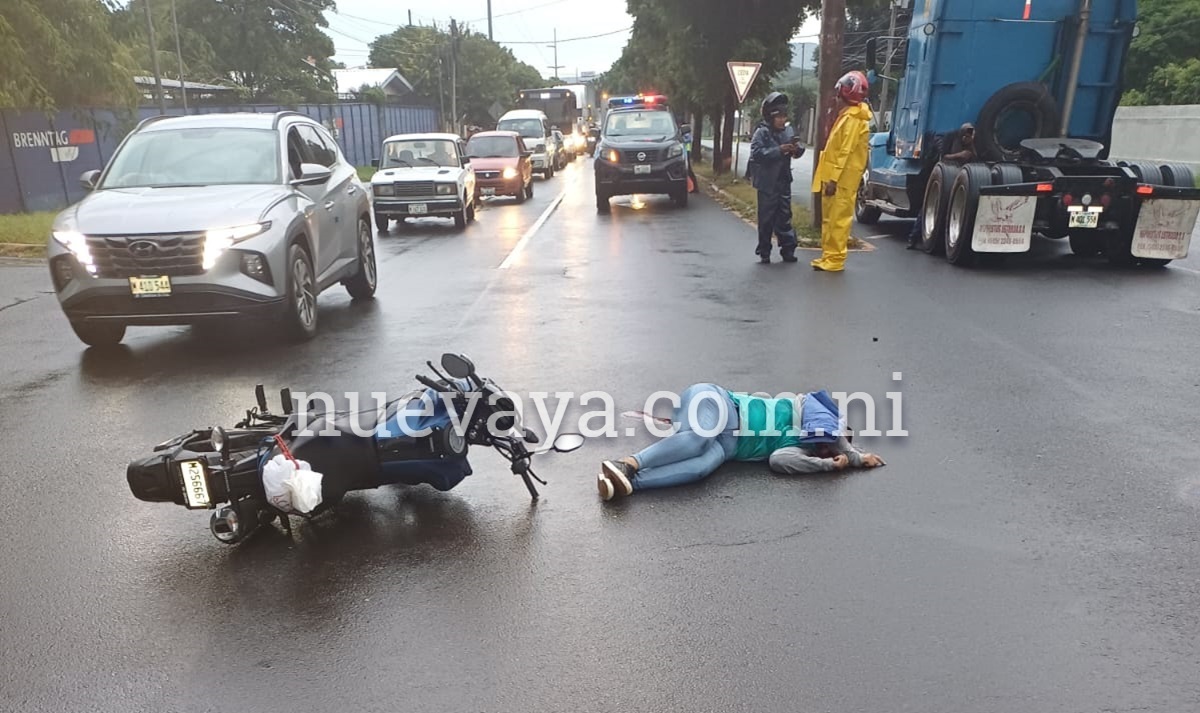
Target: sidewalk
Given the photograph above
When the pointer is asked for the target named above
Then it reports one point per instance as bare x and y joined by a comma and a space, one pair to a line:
802, 170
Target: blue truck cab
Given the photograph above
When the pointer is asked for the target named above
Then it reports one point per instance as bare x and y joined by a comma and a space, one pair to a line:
1041, 81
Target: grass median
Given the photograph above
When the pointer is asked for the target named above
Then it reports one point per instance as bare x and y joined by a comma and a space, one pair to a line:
740, 197
25, 234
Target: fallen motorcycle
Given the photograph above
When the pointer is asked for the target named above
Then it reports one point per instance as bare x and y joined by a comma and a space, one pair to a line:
421, 439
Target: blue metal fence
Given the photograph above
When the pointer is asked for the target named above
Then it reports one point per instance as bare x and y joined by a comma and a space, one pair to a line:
42, 155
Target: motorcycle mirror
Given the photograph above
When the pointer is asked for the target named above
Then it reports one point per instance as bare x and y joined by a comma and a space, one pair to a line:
568, 442
220, 442
531, 437
458, 366
260, 394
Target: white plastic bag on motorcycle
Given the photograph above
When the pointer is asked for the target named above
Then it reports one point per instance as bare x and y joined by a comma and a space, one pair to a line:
291, 486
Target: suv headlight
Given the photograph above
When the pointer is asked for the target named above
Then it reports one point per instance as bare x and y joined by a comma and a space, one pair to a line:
446, 189
385, 189
76, 242
221, 239
675, 151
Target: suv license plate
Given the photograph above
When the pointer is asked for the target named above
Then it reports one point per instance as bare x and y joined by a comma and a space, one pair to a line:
418, 209
643, 168
195, 485
150, 286
1081, 219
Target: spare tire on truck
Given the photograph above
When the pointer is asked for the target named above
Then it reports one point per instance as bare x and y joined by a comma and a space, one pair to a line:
1025, 110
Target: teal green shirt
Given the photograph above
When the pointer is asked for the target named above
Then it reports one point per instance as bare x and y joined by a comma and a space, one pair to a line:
758, 435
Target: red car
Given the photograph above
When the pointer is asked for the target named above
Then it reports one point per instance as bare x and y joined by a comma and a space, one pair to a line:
502, 165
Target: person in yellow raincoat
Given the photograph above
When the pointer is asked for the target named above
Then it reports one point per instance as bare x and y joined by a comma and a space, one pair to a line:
840, 171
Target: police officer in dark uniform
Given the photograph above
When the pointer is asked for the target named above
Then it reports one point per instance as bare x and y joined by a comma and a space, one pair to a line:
772, 149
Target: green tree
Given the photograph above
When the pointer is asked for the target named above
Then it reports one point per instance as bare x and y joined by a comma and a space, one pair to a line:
1163, 59
49, 56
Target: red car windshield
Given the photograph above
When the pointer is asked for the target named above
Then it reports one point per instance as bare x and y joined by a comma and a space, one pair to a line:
492, 147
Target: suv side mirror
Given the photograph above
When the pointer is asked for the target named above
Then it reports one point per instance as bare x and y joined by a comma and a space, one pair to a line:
312, 174
88, 180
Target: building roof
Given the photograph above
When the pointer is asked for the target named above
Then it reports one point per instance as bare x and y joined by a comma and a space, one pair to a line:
352, 80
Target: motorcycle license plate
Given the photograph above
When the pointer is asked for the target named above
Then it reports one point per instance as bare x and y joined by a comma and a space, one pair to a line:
195, 484
641, 169
1082, 219
150, 286
489, 191
418, 209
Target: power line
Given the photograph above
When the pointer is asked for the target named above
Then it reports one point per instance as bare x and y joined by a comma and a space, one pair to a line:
522, 10
572, 39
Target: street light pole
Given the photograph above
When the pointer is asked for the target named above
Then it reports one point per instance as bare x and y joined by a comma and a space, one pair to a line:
489, 2
179, 56
162, 101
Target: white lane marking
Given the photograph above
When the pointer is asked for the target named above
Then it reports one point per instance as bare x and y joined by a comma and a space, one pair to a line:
516, 251
1185, 269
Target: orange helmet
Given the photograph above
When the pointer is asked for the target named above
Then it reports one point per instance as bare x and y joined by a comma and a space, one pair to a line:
853, 87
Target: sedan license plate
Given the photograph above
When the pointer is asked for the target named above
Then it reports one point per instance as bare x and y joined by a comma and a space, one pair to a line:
150, 286
1084, 219
418, 209
643, 168
489, 191
195, 484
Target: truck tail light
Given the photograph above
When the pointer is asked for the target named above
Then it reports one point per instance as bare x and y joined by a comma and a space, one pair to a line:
1145, 190
1068, 199
1106, 200
1045, 187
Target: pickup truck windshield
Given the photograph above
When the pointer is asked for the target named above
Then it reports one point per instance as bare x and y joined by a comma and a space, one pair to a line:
641, 123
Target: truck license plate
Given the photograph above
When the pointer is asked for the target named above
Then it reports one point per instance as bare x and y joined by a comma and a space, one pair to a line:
150, 286
195, 485
1082, 219
418, 209
641, 169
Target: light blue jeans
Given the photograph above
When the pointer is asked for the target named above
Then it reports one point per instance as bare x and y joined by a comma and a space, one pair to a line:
687, 456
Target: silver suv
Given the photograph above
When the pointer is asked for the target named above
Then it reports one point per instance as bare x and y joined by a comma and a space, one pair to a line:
203, 218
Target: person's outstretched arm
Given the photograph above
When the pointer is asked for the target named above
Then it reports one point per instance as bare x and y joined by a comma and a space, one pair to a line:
794, 461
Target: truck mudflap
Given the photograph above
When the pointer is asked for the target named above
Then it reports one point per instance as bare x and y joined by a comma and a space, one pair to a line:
1165, 220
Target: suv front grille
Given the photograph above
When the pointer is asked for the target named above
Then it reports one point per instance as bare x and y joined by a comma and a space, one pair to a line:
130, 256
631, 155
414, 188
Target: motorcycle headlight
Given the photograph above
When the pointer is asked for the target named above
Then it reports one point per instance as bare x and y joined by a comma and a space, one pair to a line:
76, 242
219, 240
385, 190
510, 172
446, 189
674, 151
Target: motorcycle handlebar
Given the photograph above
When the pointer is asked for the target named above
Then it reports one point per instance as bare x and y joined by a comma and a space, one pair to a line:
426, 381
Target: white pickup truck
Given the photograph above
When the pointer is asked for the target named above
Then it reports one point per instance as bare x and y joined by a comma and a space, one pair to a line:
423, 175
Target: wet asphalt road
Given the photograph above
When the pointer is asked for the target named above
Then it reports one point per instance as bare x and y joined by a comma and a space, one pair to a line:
1031, 545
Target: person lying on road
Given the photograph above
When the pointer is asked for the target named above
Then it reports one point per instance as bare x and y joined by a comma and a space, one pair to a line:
717, 425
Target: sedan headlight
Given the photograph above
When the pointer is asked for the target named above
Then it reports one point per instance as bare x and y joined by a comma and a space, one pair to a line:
674, 151
221, 239
76, 242
385, 189
510, 172
446, 189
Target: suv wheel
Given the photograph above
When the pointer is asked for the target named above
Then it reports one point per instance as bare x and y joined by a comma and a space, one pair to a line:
362, 285
100, 334
301, 294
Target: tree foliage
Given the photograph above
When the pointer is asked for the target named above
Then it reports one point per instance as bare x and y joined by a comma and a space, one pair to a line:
62, 53
1163, 66
486, 73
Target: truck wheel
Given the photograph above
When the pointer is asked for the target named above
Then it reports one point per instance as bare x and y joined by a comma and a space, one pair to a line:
1025, 110
960, 218
1145, 172
1178, 175
863, 213
1006, 174
933, 210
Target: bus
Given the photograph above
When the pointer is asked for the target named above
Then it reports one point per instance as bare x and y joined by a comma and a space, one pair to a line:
561, 107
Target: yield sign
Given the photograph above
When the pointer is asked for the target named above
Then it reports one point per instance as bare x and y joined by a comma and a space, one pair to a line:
743, 75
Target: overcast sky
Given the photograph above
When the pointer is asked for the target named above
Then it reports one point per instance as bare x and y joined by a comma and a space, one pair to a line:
527, 27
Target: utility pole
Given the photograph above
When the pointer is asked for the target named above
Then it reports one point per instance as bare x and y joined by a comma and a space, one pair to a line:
887, 62
556, 66
489, 20
410, 18
833, 30
179, 56
454, 74
162, 101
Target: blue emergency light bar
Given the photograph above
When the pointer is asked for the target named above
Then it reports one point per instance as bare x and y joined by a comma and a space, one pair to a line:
639, 100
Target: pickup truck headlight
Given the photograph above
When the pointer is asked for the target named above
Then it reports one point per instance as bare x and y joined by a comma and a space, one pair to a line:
612, 156
385, 190
446, 189
675, 151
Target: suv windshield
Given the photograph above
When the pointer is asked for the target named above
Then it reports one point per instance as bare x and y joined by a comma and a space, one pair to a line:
492, 147
527, 128
640, 123
196, 157
423, 152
